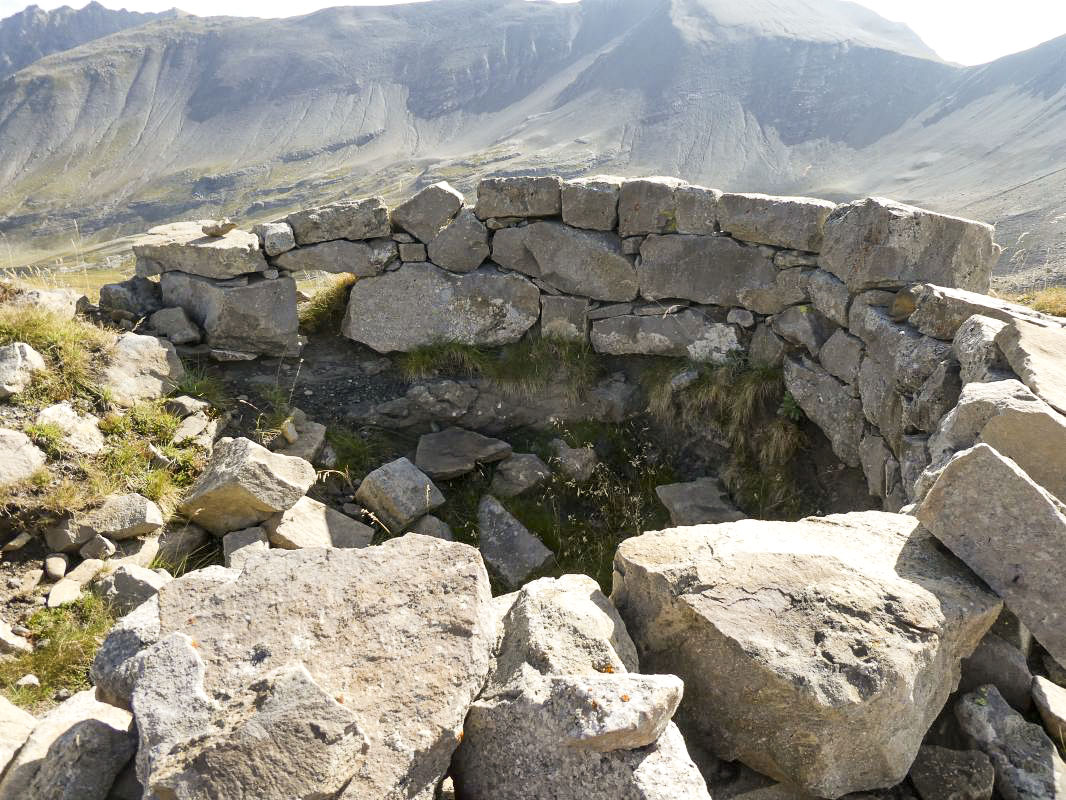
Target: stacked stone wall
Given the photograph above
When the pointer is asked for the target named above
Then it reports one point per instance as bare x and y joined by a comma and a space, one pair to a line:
869, 306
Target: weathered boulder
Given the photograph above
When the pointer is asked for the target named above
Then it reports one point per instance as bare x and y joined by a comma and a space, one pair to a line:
687, 334
129, 586
363, 258
275, 237
254, 316
790, 287
975, 348
707, 269
978, 495
1050, 701
940, 311
65, 303
942, 774
11, 642
1001, 664
697, 209
430, 525
517, 474
940, 392
419, 305
648, 205
456, 451
841, 355
462, 246
519, 197
19, 457
245, 484
586, 263
804, 326
74, 753
591, 202
398, 493
18, 364
792, 222
564, 318
830, 404
1038, 355
829, 295
562, 717
137, 295
310, 523
577, 463
348, 219
366, 701
878, 243
978, 403
122, 516
80, 433
15, 727
175, 325
239, 546
767, 349
183, 247
697, 502
429, 211
771, 625
141, 368
510, 551
1025, 760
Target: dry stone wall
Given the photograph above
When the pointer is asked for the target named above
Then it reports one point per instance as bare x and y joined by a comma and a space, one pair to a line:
877, 311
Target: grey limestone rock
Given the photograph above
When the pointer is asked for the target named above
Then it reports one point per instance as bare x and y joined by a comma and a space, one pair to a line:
1038, 355
310, 523
456, 451
687, 334
129, 586
363, 258
942, 774
648, 205
18, 364
829, 403
510, 551
462, 246
348, 219
792, 222
517, 474
697, 502
525, 196
141, 368
183, 247
429, 211
398, 493
706, 269
275, 237
591, 202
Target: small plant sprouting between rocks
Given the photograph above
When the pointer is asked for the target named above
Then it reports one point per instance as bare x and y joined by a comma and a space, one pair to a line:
748, 407
325, 310
65, 641
197, 382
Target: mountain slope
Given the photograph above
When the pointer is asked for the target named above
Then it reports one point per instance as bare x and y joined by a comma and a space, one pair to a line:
249, 117
34, 33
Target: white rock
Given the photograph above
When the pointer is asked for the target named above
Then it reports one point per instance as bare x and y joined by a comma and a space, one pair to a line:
18, 364
141, 368
310, 523
19, 458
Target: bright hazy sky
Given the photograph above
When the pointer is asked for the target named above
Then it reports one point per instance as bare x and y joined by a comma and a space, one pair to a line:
965, 31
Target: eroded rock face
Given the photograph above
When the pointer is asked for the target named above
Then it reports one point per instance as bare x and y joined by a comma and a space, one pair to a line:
561, 715
706, 269
254, 316
978, 495
183, 247
419, 305
785, 613
831, 404
792, 222
877, 243
345, 710
245, 484
1038, 355
687, 334
342, 256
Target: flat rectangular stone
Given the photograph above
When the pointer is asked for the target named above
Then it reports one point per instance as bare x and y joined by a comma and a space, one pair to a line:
1038, 355
688, 334
792, 222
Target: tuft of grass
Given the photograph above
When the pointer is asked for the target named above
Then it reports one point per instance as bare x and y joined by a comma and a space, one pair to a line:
1047, 301
66, 640
49, 437
748, 407
361, 452
210, 554
325, 310
449, 357
197, 382
72, 347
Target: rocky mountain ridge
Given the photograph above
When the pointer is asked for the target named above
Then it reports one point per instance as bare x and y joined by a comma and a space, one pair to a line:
194, 117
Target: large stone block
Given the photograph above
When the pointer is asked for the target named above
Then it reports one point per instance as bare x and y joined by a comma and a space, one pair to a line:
564, 318
310, 523
519, 197
420, 305
939, 311
591, 202
707, 269
363, 259
141, 368
978, 496
797, 640
429, 211
579, 262
878, 243
183, 247
975, 348
348, 219
510, 550
19, 457
137, 295
462, 246
315, 673
792, 222
1038, 355
648, 205
790, 288
275, 237
398, 493
830, 404
245, 484
257, 316
687, 334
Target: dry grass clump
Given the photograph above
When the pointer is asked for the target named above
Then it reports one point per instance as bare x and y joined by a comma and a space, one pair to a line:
325, 310
65, 641
72, 348
1046, 301
748, 407
442, 357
